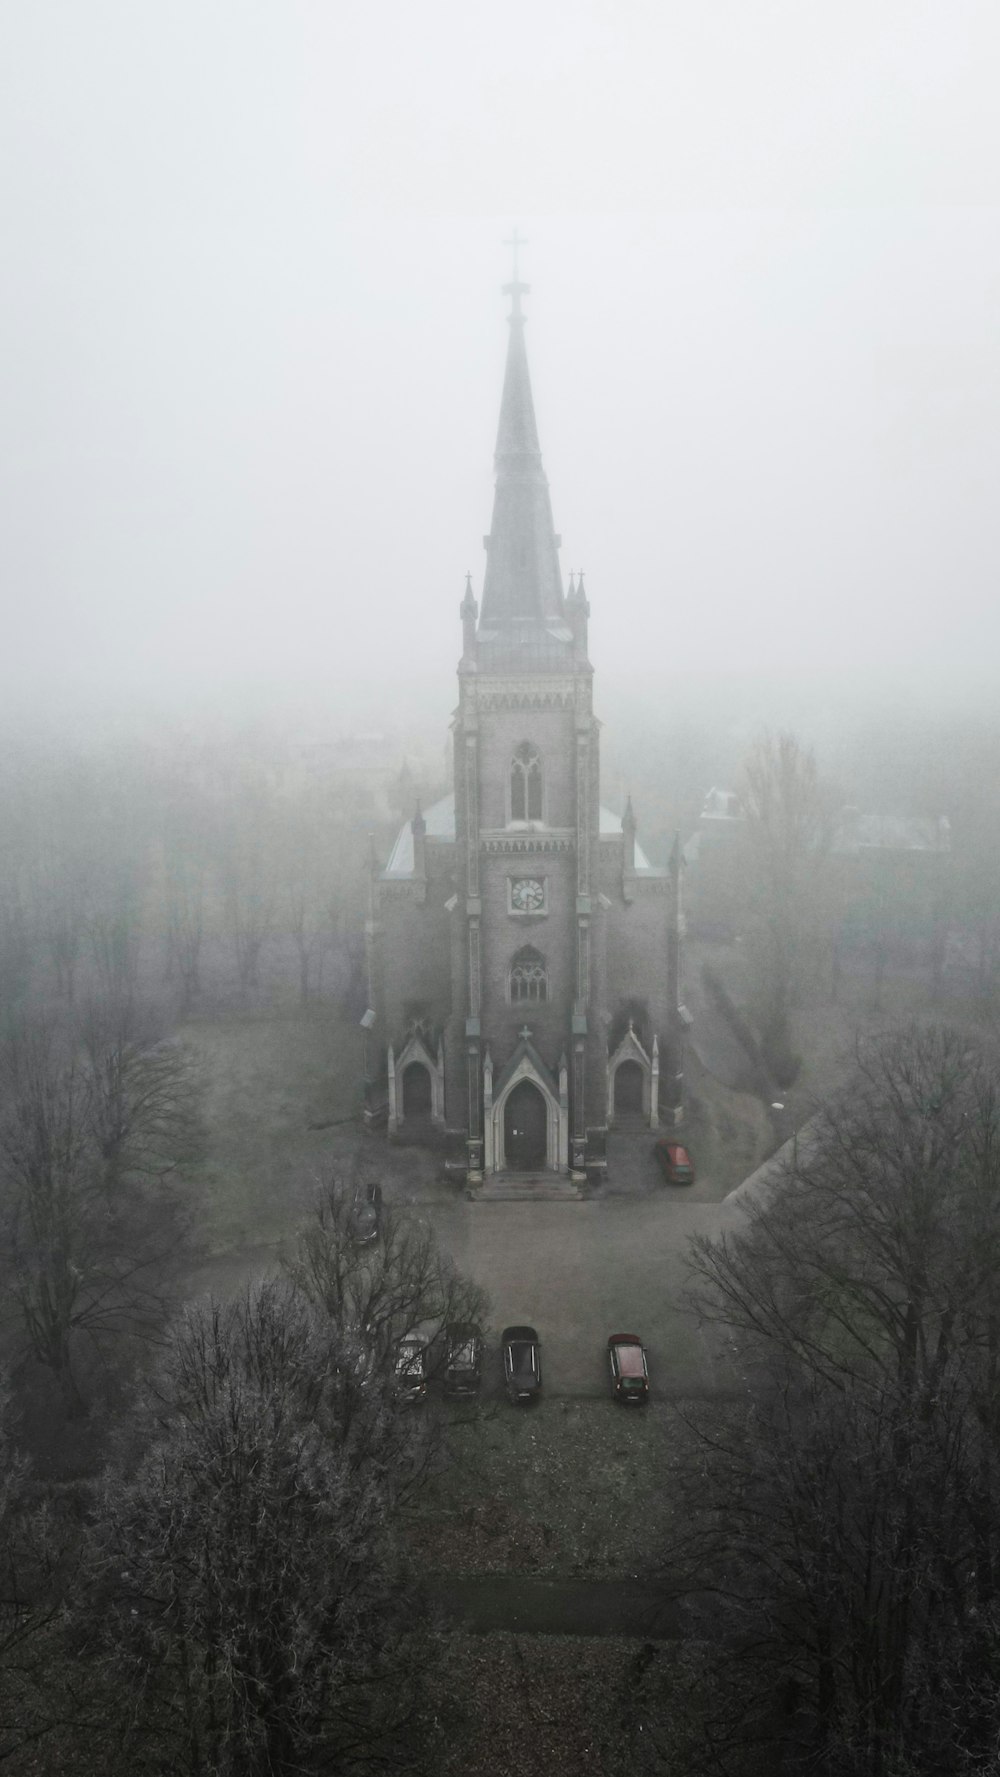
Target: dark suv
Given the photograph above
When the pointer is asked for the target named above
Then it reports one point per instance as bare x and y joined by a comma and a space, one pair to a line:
410, 1369
366, 1209
522, 1365
463, 1358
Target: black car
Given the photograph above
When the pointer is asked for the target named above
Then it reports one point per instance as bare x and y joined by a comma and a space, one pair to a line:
366, 1205
522, 1364
463, 1359
410, 1369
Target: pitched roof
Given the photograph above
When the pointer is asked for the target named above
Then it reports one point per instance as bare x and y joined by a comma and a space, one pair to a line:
440, 819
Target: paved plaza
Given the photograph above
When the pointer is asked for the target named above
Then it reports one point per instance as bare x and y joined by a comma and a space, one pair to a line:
577, 1271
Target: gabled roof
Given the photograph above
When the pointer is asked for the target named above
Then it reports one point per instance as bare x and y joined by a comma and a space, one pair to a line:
857, 832
440, 820
525, 1053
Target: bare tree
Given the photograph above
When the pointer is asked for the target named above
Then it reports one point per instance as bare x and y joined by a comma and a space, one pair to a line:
48, 1196
39, 1546
188, 852
143, 1101
249, 881
978, 871
57, 845
789, 832
114, 930
249, 1595
323, 863
385, 1288
16, 947
88, 1222
844, 1515
186, 884
63, 913
374, 1295
308, 886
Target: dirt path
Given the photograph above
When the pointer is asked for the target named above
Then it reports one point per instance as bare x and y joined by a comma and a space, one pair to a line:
481, 1604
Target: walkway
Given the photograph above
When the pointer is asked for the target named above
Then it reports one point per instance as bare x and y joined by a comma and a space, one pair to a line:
481, 1604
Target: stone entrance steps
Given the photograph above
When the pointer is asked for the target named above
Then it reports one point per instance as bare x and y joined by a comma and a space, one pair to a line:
525, 1187
631, 1123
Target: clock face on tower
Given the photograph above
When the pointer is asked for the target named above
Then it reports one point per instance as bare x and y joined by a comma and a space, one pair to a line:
527, 894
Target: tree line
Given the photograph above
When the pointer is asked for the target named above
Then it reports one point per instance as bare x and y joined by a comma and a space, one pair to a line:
808, 898
838, 1533
205, 874
230, 1594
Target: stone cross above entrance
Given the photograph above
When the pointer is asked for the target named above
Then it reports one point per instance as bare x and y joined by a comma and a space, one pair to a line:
524, 1033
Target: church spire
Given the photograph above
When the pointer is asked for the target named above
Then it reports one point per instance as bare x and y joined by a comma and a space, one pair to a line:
522, 583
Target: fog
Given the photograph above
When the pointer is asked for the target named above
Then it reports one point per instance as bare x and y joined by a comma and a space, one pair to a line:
253, 338
305, 1091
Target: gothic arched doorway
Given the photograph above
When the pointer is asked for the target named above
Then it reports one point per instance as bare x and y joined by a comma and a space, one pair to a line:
524, 1128
628, 1089
416, 1090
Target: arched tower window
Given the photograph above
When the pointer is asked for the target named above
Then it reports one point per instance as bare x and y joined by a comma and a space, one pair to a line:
526, 784
528, 979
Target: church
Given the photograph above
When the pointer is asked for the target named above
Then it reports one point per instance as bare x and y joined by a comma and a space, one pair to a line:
522, 953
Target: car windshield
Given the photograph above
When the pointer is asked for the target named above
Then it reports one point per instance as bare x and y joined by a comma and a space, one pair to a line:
464, 1356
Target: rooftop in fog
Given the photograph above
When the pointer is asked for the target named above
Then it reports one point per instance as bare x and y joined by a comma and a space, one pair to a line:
440, 822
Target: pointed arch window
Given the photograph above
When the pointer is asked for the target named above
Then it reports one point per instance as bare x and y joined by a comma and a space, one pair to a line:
528, 979
526, 784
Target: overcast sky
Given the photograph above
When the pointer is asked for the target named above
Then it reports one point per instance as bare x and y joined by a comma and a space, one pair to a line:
253, 335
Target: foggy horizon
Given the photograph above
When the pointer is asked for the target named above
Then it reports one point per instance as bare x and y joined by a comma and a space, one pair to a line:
254, 341
391, 1012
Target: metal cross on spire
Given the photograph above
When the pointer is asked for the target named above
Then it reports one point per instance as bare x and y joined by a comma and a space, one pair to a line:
516, 240
515, 289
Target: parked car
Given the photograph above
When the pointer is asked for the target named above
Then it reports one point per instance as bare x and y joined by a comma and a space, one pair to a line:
674, 1162
410, 1369
629, 1374
366, 1207
463, 1361
522, 1366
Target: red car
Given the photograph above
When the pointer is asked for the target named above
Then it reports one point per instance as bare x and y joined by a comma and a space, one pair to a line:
629, 1375
674, 1162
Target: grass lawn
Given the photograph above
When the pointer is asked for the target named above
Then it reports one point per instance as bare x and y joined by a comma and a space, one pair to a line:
532, 1706
279, 1091
570, 1487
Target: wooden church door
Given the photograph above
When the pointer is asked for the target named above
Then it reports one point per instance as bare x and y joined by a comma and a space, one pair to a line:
416, 1091
524, 1128
628, 1089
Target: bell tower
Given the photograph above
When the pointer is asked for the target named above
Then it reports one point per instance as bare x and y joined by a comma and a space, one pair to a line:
523, 954
527, 822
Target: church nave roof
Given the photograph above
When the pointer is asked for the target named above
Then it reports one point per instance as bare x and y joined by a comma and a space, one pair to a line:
440, 823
